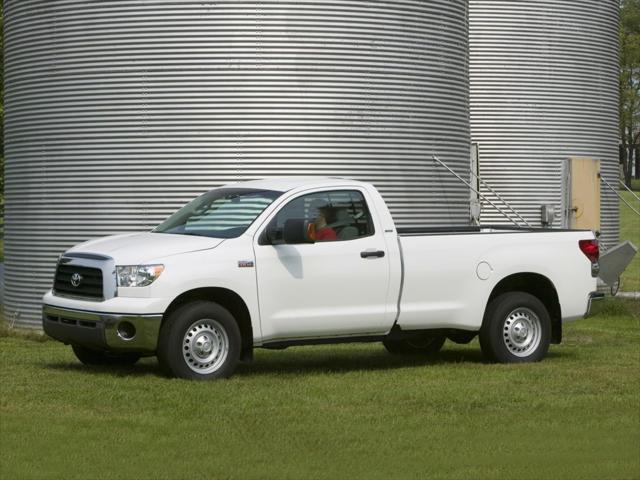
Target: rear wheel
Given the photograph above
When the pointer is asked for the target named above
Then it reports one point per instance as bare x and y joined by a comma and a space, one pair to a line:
424, 344
199, 341
96, 357
516, 329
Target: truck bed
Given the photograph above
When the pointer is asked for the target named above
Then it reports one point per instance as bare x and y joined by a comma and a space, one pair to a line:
450, 272
471, 229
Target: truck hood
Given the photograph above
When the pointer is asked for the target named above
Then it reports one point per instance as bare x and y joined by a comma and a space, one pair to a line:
139, 248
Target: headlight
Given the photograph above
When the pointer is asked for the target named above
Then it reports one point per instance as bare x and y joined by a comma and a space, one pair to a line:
138, 275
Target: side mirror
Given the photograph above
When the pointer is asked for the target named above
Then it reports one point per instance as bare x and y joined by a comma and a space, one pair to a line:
298, 230
270, 235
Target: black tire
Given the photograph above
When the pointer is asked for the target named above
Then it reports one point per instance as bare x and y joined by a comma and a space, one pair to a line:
423, 345
500, 339
194, 339
97, 357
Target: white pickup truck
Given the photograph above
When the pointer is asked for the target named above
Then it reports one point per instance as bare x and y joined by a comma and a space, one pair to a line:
295, 261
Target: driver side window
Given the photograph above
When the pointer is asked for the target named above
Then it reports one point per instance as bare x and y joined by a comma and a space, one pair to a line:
338, 215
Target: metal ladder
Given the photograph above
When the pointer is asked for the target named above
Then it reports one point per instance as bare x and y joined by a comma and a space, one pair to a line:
482, 196
620, 196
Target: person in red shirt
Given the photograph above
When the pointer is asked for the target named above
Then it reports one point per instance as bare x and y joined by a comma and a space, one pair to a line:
324, 233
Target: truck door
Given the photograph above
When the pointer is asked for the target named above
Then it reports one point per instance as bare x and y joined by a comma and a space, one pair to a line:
337, 286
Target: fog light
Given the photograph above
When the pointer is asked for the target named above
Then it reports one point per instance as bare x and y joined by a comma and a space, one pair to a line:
126, 330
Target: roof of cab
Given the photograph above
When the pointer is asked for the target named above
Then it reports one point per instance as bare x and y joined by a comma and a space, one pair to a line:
284, 184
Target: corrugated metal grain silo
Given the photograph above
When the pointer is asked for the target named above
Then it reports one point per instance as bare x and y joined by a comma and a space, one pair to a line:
544, 87
117, 113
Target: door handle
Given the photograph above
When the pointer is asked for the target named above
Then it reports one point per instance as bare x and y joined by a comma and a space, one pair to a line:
372, 254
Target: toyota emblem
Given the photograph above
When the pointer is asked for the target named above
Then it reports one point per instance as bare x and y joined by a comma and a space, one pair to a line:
76, 278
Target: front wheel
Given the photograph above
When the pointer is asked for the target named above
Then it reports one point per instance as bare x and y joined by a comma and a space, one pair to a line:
424, 345
199, 341
516, 329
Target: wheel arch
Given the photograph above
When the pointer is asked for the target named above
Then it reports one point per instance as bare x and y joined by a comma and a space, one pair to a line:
540, 287
227, 299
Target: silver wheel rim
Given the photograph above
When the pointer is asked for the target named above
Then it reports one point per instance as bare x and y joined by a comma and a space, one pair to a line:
521, 332
205, 346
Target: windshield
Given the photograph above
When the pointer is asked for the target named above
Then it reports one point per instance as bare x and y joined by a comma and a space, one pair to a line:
221, 213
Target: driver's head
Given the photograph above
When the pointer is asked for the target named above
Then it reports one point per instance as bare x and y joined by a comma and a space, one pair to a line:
318, 207
322, 213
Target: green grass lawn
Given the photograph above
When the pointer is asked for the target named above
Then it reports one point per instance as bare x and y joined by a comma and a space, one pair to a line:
630, 230
348, 411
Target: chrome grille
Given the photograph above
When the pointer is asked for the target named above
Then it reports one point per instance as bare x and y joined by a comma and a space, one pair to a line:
90, 285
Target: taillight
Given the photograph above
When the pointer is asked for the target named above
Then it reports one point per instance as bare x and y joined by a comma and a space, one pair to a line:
591, 249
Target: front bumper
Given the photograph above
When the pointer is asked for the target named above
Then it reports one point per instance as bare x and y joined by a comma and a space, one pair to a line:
100, 331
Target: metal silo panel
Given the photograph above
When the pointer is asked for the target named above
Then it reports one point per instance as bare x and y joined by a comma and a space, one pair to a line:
117, 113
544, 87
